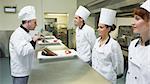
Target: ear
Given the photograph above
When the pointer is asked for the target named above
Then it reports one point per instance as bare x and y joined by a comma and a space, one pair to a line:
109, 29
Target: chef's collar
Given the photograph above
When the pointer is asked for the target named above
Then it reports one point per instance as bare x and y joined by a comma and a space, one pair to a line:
146, 43
24, 28
107, 40
82, 26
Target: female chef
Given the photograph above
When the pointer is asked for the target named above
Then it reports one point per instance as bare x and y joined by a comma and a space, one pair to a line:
139, 49
107, 58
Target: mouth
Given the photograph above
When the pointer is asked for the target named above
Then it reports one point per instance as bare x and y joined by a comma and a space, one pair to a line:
134, 27
99, 34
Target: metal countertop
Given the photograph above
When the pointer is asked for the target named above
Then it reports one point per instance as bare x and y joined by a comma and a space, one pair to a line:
72, 71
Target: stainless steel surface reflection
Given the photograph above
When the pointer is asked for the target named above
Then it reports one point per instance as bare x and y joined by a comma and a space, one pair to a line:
72, 71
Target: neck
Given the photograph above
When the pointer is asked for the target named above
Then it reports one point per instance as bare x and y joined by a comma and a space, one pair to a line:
104, 37
25, 26
81, 25
145, 37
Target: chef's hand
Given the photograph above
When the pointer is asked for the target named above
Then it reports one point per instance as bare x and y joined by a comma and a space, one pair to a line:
36, 37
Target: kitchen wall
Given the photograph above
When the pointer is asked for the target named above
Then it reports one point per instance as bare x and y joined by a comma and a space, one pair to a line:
121, 21
91, 21
61, 6
9, 21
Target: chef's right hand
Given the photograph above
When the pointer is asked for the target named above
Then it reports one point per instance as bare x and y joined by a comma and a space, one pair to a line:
36, 37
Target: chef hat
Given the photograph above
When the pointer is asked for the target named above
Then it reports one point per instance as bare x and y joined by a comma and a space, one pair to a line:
107, 16
146, 5
82, 12
27, 13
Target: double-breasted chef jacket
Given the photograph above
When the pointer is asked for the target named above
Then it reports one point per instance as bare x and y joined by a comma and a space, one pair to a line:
22, 52
138, 63
108, 59
85, 39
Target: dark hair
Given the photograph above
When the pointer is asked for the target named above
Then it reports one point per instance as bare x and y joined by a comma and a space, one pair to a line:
144, 14
23, 22
112, 28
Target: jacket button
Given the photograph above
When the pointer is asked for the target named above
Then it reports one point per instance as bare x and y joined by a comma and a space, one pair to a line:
135, 77
130, 57
128, 72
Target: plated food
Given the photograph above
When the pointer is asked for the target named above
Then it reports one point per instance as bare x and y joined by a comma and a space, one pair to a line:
48, 52
56, 54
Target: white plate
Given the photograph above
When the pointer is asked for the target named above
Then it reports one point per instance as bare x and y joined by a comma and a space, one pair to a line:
50, 37
49, 41
57, 47
60, 54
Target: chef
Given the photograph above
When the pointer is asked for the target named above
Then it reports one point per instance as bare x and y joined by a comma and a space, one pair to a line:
139, 49
22, 46
85, 35
107, 58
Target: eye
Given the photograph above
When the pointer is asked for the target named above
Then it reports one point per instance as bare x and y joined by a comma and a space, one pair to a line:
137, 18
101, 27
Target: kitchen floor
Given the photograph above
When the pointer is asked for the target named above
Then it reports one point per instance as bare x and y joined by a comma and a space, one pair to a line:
5, 77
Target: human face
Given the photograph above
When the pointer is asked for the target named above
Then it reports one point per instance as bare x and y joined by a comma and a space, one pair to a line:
139, 25
103, 30
77, 21
32, 24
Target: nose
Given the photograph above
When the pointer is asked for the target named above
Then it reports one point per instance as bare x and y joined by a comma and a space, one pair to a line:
133, 23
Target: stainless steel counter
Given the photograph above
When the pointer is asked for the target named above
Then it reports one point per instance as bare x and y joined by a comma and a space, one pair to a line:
72, 71
69, 70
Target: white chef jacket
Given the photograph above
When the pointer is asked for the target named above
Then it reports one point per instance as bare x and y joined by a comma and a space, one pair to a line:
21, 53
108, 59
138, 63
85, 39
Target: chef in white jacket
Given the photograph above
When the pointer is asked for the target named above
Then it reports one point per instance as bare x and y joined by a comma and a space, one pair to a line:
85, 35
107, 58
139, 49
22, 46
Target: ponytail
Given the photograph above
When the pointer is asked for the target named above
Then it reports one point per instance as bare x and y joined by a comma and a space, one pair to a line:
112, 28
